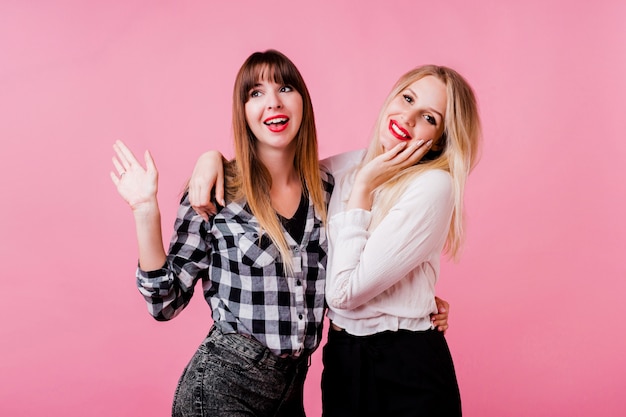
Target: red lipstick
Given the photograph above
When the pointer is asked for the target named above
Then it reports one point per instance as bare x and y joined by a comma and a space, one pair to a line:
277, 123
398, 132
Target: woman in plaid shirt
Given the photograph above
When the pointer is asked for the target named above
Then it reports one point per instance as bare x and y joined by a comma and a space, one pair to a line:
261, 257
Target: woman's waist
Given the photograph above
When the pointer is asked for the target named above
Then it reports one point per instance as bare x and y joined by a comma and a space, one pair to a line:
365, 326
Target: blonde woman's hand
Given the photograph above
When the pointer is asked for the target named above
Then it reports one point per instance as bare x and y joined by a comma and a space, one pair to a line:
382, 168
440, 319
207, 175
137, 186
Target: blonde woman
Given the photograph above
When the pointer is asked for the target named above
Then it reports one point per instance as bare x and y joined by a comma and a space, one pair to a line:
387, 230
261, 259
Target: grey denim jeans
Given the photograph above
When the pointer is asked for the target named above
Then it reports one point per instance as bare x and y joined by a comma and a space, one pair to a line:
231, 375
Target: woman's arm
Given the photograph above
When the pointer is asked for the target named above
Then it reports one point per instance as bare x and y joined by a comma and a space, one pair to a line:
165, 281
169, 289
138, 187
207, 176
365, 264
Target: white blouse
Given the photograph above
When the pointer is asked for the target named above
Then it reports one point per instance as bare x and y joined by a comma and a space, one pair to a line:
385, 279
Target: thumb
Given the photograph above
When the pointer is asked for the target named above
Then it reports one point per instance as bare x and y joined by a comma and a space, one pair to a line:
150, 165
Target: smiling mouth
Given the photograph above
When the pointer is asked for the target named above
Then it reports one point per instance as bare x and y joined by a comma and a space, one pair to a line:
276, 121
398, 132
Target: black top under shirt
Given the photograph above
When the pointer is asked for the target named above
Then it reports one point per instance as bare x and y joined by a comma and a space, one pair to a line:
295, 225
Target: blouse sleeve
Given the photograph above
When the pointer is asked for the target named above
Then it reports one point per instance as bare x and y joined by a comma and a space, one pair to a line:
366, 264
168, 290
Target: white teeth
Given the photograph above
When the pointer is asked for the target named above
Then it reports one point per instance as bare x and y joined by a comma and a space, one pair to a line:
398, 131
276, 121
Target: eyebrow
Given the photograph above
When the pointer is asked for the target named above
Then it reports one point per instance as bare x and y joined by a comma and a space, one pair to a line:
428, 108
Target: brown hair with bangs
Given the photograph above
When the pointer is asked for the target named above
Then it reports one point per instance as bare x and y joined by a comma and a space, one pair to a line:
246, 176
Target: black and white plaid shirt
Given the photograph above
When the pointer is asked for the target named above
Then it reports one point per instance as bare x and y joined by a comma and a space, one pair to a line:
243, 278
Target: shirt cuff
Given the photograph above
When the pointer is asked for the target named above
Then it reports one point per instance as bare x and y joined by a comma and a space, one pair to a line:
157, 273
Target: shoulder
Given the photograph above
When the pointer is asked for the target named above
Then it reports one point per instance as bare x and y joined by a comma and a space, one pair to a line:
338, 164
434, 177
328, 181
434, 185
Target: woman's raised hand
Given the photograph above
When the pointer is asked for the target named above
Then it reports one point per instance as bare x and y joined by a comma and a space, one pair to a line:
382, 168
137, 186
208, 174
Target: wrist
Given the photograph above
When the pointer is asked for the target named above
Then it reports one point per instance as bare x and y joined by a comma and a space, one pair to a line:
145, 209
361, 196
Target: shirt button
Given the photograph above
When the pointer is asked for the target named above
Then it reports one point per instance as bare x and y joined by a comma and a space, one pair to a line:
299, 283
300, 316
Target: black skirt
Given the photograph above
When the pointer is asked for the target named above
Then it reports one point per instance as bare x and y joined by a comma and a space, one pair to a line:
401, 373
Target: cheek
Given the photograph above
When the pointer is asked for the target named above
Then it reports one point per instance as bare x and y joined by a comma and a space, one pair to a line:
427, 131
247, 112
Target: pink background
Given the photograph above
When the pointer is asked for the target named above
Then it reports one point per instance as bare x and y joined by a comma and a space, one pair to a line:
537, 325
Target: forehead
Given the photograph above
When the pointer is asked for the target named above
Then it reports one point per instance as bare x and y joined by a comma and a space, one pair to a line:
431, 92
266, 72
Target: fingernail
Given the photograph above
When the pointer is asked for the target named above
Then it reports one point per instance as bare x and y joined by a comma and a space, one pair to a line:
429, 143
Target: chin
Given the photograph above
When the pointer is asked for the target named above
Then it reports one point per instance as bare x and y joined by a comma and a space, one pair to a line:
386, 145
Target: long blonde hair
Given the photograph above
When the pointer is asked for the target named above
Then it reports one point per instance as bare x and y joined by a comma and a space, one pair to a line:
456, 151
246, 176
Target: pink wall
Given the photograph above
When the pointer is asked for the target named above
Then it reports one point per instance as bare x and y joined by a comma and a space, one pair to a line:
537, 300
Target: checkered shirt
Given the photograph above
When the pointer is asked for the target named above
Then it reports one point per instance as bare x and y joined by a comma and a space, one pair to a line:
243, 278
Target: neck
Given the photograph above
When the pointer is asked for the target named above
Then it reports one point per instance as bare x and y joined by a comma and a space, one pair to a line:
286, 184
280, 164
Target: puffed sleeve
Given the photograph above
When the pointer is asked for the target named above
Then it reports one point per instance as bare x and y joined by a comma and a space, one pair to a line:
364, 263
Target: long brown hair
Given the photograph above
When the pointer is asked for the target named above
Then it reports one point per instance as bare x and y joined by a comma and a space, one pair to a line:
246, 176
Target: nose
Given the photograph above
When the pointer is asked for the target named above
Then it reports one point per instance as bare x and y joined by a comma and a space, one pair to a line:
273, 101
409, 117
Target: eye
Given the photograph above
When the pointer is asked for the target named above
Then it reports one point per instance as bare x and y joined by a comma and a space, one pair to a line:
255, 93
430, 119
286, 89
407, 98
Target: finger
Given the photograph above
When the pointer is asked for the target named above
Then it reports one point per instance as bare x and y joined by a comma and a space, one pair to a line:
191, 194
440, 316
196, 191
440, 323
150, 165
219, 188
439, 320
114, 178
118, 166
393, 152
442, 305
204, 214
211, 209
126, 155
121, 157
418, 150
